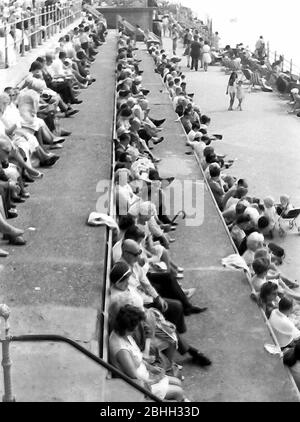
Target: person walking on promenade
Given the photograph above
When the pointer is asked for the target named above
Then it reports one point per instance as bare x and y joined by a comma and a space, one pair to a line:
187, 40
206, 57
240, 94
231, 89
174, 36
195, 53
165, 24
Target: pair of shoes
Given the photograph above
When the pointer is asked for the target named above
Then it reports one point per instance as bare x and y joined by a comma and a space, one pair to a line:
179, 276
193, 310
171, 240
76, 102
25, 195
50, 161
189, 292
199, 357
180, 269
71, 112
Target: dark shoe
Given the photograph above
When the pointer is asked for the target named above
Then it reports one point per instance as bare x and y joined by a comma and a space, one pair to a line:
12, 213
27, 178
158, 141
17, 241
193, 310
25, 195
50, 161
199, 358
145, 91
69, 113
65, 133
166, 182
159, 122
76, 102
219, 137
18, 199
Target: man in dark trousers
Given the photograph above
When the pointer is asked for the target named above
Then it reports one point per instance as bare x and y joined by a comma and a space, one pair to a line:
195, 53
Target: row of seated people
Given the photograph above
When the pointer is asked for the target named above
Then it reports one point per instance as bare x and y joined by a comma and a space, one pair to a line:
148, 306
251, 221
30, 119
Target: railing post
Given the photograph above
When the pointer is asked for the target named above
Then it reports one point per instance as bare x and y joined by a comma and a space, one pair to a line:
5, 47
275, 56
282, 64
40, 21
291, 66
268, 50
6, 362
23, 41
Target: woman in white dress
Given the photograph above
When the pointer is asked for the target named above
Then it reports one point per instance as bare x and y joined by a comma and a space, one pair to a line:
206, 57
128, 358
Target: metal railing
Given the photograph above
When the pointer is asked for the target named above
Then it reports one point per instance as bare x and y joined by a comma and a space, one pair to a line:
7, 363
28, 32
285, 65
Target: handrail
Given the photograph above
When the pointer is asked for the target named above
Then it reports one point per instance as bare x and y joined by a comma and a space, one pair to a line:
99, 361
236, 251
108, 251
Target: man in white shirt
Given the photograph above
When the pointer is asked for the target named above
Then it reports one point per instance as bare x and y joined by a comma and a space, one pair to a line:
284, 329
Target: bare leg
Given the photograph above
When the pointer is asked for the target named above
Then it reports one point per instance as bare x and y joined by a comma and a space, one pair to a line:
6, 228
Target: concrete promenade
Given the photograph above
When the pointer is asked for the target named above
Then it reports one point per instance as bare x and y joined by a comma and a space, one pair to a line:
232, 332
53, 284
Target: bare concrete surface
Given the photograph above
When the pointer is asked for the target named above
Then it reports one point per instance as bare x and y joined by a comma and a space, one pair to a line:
53, 284
232, 331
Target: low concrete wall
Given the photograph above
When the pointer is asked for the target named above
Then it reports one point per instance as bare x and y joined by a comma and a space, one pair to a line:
142, 16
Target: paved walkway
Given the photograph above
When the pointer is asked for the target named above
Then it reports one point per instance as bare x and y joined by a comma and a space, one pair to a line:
53, 284
232, 332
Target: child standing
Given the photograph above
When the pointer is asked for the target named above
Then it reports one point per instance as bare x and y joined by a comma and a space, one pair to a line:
240, 94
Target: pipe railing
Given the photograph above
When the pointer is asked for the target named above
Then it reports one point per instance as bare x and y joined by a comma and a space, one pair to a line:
28, 32
7, 363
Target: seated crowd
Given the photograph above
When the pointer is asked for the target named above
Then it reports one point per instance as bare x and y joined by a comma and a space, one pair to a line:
252, 222
148, 306
29, 116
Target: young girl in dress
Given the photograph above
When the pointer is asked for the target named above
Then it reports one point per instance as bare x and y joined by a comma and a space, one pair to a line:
240, 94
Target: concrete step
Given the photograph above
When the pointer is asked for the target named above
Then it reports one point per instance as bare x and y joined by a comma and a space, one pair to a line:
116, 390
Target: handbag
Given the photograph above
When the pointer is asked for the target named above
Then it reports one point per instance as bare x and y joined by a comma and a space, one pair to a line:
164, 329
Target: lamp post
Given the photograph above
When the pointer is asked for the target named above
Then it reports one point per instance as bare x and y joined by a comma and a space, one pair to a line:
6, 362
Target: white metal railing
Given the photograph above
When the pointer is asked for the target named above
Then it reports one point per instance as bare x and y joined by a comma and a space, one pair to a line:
21, 35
